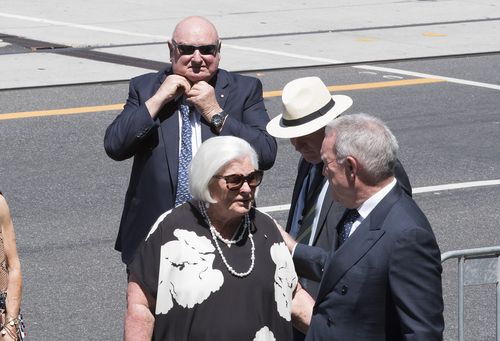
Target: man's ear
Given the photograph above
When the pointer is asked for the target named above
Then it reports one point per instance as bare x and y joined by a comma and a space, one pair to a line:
171, 50
351, 167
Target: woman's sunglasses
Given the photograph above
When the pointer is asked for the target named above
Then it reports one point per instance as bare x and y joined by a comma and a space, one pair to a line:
187, 50
235, 181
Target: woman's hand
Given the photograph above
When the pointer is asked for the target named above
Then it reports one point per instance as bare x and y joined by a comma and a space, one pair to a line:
302, 307
9, 333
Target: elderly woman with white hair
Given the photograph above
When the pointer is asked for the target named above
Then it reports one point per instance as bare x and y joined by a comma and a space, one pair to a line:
214, 268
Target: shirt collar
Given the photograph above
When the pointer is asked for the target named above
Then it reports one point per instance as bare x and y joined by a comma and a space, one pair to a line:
366, 207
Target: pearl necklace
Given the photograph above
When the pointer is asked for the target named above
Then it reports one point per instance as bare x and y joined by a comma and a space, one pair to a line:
216, 234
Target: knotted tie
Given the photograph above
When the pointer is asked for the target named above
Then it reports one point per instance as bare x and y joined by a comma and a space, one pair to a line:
311, 204
185, 157
349, 219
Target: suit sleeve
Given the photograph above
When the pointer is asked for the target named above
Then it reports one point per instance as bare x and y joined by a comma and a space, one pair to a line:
131, 128
252, 125
309, 261
415, 285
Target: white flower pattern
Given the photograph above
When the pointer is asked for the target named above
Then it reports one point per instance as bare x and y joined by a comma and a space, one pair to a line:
264, 334
157, 223
285, 279
186, 271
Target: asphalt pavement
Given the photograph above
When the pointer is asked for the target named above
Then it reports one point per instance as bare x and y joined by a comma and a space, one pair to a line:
427, 68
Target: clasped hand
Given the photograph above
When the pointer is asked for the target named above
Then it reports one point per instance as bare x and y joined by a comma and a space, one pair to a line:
200, 94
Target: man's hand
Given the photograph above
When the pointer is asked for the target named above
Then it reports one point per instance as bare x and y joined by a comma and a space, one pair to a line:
289, 241
172, 87
202, 95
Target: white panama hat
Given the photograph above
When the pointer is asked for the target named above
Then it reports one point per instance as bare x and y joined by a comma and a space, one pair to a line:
308, 106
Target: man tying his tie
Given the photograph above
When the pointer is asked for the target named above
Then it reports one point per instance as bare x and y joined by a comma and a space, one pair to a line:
169, 114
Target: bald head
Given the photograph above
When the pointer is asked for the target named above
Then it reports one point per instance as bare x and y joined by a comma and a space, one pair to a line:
199, 29
196, 65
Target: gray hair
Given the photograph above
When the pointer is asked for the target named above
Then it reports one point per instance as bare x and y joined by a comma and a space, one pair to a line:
369, 141
211, 157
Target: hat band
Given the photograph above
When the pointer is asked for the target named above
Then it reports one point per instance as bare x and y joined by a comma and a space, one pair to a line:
312, 116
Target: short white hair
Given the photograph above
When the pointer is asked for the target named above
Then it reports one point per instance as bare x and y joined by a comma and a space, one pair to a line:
211, 157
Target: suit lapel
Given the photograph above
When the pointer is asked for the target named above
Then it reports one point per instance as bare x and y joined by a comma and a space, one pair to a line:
323, 214
169, 132
221, 87
358, 244
341, 260
303, 170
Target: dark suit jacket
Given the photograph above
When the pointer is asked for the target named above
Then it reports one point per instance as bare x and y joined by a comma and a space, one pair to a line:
383, 283
330, 214
154, 144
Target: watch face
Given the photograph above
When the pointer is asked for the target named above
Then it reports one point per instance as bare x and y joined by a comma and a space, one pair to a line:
216, 120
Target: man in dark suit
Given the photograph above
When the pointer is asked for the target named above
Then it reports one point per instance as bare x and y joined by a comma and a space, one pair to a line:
313, 213
382, 278
307, 107
150, 128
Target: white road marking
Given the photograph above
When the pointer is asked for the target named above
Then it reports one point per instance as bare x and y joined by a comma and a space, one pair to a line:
80, 26
460, 185
426, 75
416, 190
284, 54
252, 49
163, 37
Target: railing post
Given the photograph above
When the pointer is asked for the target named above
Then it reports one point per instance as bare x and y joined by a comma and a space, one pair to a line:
461, 262
462, 255
498, 298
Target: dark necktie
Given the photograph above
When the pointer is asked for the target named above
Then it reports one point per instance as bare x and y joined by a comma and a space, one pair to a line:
349, 219
185, 157
311, 204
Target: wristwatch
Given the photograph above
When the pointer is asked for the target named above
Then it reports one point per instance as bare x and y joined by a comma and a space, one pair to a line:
218, 120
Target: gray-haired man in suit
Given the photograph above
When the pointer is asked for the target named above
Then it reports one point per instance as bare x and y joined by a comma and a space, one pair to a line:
382, 278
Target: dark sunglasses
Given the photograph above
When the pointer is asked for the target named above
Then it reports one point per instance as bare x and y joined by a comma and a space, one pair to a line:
187, 50
235, 181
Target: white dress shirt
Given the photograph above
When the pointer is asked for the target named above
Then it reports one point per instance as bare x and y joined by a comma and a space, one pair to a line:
368, 206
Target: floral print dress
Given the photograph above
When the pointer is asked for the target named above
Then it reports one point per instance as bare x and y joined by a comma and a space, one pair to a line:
197, 298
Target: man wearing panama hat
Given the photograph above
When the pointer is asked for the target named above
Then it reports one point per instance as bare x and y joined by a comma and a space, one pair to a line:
313, 216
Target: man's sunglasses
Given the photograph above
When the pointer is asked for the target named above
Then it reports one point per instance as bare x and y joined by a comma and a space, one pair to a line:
235, 181
187, 50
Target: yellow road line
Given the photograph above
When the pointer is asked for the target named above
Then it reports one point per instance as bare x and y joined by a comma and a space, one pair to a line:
56, 112
267, 94
373, 85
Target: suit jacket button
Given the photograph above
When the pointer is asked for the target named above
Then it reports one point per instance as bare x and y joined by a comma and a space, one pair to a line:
329, 321
343, 291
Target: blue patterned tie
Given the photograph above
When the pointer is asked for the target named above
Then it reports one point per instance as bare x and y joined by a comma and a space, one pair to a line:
185, 157
349, 219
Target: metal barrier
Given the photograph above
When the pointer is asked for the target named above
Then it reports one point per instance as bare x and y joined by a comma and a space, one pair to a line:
483, 267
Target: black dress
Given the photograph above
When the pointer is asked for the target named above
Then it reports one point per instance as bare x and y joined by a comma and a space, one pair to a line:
197, 298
